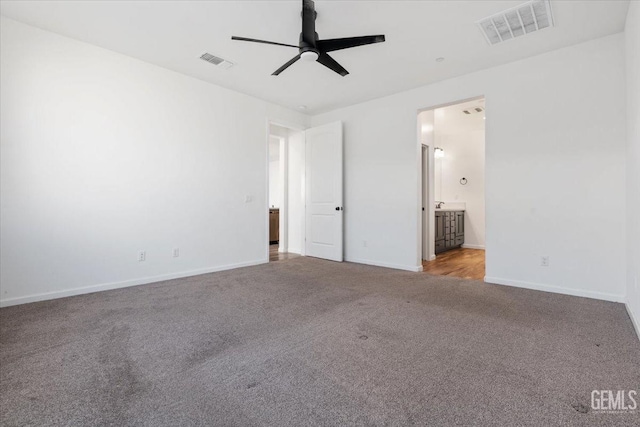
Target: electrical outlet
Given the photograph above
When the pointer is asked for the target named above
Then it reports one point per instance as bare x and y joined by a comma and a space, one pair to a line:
364, 243
544, 261
248, 199
176, 252
142, 256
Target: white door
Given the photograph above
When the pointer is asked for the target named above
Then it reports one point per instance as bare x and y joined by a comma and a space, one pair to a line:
323, 191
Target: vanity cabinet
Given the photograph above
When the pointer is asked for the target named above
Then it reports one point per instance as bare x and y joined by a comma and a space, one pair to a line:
274, 225
449, 230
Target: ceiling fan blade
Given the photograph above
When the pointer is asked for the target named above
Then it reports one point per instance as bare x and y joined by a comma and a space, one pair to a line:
336, 44
331, 63
285, 66
308, 22
244, 39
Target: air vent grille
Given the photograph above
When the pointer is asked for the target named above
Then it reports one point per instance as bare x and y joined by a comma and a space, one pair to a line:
473, 110
518, 21
215, 60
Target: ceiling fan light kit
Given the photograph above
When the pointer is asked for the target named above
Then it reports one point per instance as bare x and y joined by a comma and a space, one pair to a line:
309, 56
310, 48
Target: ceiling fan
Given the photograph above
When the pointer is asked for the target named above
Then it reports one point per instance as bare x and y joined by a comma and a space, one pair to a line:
311, 48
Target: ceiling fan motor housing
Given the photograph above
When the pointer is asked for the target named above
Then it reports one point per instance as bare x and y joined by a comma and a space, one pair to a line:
308, 51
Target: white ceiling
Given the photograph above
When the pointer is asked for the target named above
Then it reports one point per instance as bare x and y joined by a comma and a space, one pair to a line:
173, 34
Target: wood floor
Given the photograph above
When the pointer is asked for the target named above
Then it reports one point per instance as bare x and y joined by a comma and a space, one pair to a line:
465, 263
462, 262
274, 255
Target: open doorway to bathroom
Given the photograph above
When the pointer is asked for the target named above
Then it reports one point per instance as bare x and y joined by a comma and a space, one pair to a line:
285, 156
452, 147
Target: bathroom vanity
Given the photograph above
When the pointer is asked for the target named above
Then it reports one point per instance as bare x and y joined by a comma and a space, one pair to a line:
449, 232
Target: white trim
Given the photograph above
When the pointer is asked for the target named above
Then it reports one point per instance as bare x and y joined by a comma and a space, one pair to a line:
124, 284
464, 245
416, 268
555, 289
431, 258
635, 322
283, 223
266, 189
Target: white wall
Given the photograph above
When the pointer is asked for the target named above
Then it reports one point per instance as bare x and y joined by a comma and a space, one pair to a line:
550, 161
103, 156
462, 137
632, 45
437, 178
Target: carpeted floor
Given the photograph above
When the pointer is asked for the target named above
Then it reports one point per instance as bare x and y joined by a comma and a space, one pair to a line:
311, 342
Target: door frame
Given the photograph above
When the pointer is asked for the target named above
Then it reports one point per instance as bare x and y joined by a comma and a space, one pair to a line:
427, 201
431, 211
283, 244
283, 191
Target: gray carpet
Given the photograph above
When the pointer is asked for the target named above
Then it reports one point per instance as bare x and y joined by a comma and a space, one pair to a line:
311, 342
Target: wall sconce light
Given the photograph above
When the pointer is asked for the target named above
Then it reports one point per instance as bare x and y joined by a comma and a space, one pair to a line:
438, 153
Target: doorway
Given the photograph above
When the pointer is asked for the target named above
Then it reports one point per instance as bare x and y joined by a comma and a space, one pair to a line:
285, 155
304, 192
452, 158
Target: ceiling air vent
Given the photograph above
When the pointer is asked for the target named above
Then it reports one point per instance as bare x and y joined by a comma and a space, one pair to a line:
473, 110
222, 63
515, 22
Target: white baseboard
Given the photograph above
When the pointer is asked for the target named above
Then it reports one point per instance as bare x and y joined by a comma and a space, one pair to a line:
473, 246
634, 321
431, 258
555, 289
124, 284
415, 268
